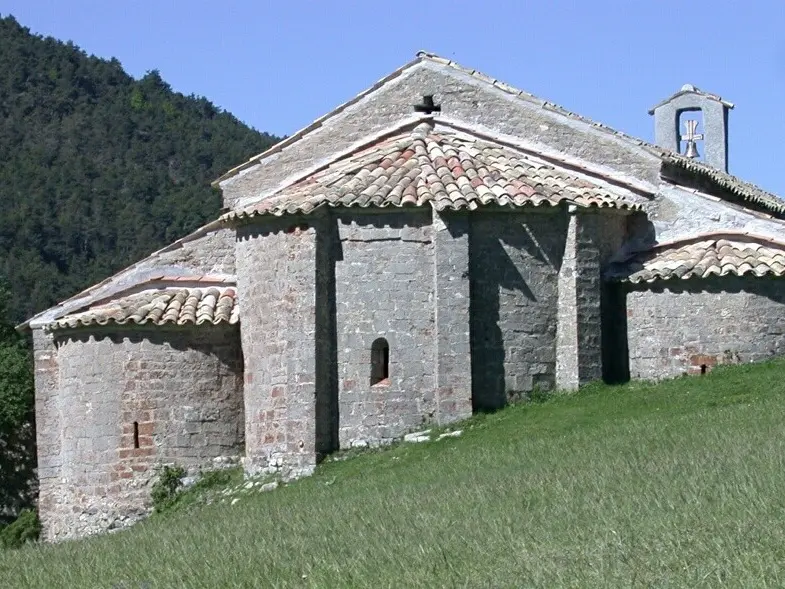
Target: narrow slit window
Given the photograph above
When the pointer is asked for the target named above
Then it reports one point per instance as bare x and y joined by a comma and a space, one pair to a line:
380, 361
136, 434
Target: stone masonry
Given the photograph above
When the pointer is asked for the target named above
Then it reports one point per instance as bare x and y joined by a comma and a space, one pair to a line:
515, 261
689, 327
124, 403
276, 268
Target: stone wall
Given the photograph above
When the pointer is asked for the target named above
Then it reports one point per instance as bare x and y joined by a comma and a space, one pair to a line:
126, 401
677, 327
515, 260
316, 292
384, 277
588, 309
212, 252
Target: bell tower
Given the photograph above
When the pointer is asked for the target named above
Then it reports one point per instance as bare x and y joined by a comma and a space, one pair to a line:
675, 128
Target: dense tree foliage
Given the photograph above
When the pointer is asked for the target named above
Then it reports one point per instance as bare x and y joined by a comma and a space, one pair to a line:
98, 169
17, 435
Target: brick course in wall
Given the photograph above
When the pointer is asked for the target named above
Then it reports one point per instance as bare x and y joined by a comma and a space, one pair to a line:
127, 401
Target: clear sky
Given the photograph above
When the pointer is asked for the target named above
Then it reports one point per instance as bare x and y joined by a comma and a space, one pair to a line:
277, 65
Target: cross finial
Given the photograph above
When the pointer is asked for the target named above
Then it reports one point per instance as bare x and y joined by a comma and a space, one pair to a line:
691, 137
427, 106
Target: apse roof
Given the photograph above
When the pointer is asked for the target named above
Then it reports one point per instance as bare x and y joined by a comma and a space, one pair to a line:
161, 306
720, 254
442, 167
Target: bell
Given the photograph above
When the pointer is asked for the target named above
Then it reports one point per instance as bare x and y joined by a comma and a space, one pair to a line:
692, 150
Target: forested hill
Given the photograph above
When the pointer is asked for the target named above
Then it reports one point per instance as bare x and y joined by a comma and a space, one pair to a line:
97, 169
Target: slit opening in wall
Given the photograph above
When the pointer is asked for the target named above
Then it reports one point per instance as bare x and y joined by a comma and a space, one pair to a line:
136, 434
704, 368
380, 362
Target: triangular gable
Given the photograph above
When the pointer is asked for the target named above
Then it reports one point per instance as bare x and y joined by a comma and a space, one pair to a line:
477, 100
466, 97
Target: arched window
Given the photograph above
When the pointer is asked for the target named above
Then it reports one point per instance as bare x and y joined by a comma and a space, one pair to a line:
380, 361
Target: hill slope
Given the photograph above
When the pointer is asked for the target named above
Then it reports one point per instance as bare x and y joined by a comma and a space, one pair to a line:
98, 169
671, 485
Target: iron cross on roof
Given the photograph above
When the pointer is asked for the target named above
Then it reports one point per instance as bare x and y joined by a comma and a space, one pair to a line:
691, 137
427, 106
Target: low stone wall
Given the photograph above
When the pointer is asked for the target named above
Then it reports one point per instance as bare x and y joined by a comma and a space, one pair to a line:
687, 327
124, 402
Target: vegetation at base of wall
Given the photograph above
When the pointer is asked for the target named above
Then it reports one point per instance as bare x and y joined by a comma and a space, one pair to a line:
167, 486
677, 484
97, 169
25, 528
170, 495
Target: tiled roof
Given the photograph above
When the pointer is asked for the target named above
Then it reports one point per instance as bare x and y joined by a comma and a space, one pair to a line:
719, 255
175, 306
441, 168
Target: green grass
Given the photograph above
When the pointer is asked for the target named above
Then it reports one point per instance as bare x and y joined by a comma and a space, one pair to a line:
680, 484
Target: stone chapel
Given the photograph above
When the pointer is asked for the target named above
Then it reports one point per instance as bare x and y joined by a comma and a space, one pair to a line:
440, 244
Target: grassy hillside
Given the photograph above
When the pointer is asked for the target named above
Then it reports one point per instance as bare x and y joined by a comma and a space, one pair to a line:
680, 484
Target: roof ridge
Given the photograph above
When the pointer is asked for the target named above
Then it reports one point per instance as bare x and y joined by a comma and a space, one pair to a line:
691, 89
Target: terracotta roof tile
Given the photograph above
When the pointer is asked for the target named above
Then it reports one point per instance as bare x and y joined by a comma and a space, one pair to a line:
175, 306
735, 255
442, 169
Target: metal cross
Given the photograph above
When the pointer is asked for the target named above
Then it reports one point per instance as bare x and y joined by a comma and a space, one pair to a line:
691, 137
427, 106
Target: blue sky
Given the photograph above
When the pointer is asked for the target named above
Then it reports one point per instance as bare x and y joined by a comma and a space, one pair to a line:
279, 65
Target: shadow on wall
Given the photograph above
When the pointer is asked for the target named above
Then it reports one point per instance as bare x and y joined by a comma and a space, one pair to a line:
328, 252
615, 349
493, 273
181, 338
